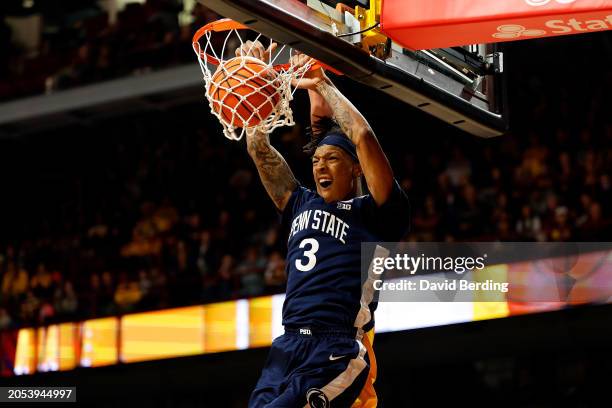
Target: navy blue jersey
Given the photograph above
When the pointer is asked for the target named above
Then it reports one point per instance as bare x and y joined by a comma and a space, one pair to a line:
324, 253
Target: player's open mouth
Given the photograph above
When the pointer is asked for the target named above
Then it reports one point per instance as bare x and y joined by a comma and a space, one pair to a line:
325, 183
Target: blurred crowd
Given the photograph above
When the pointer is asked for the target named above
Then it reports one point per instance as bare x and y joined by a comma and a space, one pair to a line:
161, 212
72, 43
155, 209
545, 192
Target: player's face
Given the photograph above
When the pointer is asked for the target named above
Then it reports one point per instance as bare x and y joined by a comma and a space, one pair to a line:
335, 173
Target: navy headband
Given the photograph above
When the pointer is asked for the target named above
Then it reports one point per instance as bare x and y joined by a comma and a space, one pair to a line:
341, 141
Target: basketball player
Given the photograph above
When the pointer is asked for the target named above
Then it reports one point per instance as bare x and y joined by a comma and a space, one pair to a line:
325, 357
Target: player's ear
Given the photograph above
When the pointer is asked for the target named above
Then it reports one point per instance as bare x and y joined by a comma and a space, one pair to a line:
357, 172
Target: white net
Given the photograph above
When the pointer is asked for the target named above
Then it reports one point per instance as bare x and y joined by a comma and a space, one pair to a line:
245, 93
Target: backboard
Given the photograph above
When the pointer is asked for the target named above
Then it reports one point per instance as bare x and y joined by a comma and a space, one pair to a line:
463, 86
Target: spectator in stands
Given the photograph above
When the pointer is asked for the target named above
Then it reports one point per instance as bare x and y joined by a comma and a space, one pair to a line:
8, 277
107, 294
5, 319
250, 272
274, 274
595, 228
103, 65
66, 301
91, 296
145, 236
203, 261
79, 71
528, 226
468, 213
145, 285
127, 294
560, 230
582, 213
221, 285
427, 219
163, 16
29, 308
46, 312
41, 283
165, 217
158, 291
17, 280
604, 192
504, 231
459, 168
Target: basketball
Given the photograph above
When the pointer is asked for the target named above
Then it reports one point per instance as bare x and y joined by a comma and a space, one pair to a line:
242, 84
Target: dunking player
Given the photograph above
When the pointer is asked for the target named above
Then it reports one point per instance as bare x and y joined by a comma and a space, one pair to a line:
325, 357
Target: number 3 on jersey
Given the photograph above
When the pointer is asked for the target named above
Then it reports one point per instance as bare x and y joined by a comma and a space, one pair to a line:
309, 253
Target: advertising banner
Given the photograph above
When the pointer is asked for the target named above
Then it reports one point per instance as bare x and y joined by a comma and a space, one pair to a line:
421, 25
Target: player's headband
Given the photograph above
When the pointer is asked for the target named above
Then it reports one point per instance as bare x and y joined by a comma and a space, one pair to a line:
341, 141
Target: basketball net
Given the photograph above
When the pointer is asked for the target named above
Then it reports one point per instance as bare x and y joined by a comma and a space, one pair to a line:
276, 88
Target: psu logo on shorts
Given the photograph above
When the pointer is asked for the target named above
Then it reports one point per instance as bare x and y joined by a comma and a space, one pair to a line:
306, 332
316, 398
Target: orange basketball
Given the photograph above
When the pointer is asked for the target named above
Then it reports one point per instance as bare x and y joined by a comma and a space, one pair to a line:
242, 83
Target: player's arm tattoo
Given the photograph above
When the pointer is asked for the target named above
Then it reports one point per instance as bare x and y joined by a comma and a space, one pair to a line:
275, 174
353, 124
374, 164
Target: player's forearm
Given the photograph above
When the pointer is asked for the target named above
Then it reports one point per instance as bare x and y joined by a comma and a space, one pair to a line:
374, 164
376, 168
319, 108
351, 121
275, 174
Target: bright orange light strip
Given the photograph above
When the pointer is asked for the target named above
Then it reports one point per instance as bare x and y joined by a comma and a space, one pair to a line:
99, 342
163, 334
68, 346
220, 327
25, 358
260, 321
48, 348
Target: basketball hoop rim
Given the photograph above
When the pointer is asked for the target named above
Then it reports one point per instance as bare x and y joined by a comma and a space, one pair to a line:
227, 24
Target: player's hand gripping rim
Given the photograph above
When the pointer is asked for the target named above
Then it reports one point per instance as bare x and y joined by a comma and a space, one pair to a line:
312, 77
256, 49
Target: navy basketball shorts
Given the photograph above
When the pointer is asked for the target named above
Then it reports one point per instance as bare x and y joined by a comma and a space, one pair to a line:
312, 368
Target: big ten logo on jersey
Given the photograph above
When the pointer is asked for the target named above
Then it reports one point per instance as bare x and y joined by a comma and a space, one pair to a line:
344, 205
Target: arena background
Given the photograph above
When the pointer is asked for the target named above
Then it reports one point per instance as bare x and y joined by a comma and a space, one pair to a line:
140, 204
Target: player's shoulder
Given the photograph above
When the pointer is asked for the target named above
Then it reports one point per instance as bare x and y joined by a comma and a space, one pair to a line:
304, 194
299, 198
396, 206
355, 201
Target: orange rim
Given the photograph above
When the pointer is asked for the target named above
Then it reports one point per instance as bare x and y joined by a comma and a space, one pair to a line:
226, 24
